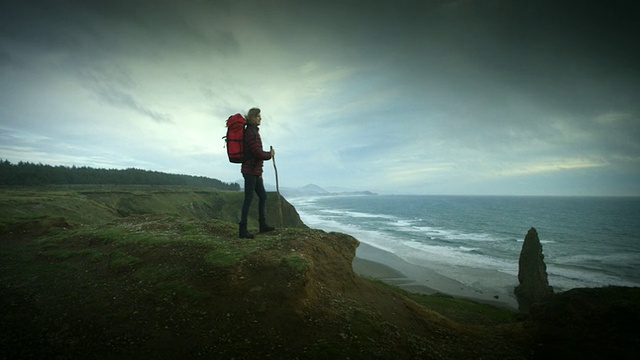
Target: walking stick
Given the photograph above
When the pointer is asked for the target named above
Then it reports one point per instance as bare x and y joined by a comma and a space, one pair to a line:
275, 169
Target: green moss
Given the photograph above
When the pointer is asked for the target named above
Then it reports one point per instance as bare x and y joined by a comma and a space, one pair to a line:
225, 257
296, 263
124, 260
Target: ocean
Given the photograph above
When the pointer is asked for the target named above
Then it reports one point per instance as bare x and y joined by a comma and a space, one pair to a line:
476, 240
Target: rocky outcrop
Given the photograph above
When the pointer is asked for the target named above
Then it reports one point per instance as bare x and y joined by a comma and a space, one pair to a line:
587, 323
532, 273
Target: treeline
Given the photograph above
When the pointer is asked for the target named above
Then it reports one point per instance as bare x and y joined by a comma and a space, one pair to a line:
29, 174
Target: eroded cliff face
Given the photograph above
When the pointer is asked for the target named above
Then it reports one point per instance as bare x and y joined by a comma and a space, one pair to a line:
532, 273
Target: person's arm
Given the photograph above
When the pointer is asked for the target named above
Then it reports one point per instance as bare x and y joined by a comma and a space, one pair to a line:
255, 146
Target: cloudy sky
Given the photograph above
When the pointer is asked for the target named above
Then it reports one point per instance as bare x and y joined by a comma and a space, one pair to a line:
430, 97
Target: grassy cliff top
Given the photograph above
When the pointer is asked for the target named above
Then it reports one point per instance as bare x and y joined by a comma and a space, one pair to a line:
160, 273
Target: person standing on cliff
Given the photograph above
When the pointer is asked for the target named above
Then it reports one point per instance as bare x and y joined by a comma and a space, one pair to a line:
252, 173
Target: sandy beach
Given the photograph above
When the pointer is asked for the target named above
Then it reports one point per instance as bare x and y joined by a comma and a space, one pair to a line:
380, 264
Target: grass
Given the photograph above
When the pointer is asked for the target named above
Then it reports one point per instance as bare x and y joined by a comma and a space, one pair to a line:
93, 205
80, 281
296, 263
159, 249
466, 311
165, 259
225, 257
460, 310
125, 260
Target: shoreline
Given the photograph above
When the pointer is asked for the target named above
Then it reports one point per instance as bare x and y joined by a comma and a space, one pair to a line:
376, 263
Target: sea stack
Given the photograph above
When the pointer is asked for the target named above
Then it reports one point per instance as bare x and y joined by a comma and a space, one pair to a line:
532, 273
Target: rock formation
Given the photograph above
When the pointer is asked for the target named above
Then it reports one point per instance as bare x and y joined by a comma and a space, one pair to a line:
532, 273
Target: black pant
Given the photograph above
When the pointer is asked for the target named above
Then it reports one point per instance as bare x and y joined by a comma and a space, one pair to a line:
253, 183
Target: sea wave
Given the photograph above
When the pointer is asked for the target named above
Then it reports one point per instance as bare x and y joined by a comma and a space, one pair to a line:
459, 238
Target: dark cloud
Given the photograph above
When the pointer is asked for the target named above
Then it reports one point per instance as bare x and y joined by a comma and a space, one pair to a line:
113, 84
93, 29
120, 98
508, 82
168, 24
116, 89
573, 59
576, 56
6, 59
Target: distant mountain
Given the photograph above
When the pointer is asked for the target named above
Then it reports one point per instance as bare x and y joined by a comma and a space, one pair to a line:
315, 190
338, 189
310, 190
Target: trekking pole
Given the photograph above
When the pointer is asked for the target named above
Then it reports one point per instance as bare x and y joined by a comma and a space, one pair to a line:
275, 169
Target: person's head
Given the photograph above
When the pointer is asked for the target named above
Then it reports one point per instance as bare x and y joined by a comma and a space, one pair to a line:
253, 117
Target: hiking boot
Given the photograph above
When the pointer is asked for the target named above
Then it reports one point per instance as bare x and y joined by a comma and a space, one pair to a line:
264, 227
243, 232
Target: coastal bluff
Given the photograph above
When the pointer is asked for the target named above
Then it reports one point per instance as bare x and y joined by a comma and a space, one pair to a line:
158, 272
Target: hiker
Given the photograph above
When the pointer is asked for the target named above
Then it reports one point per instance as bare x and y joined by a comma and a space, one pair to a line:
252, 173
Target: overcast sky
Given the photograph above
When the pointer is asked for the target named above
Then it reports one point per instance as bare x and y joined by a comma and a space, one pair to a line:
428, 97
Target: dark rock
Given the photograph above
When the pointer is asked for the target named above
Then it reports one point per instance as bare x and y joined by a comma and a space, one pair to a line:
587, 323
532, 273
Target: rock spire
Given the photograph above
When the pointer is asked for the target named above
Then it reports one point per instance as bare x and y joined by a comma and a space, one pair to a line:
532, 273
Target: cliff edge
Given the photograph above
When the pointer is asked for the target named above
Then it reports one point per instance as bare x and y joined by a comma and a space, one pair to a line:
149, 273
160, 273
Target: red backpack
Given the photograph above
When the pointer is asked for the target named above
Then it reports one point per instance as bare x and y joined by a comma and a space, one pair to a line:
235, 138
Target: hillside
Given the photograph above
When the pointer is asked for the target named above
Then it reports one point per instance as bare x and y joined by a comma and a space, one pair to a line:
95, 204
158, 272
30, 174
